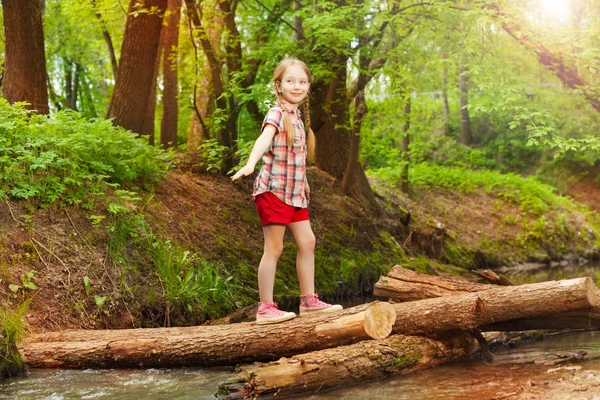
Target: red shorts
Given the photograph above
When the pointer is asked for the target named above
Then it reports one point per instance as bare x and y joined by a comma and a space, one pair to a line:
272, 210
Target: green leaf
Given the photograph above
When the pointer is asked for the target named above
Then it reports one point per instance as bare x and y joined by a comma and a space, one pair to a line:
14, 288
100, 300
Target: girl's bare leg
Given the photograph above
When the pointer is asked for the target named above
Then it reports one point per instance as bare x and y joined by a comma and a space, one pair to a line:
273, 248
305, 260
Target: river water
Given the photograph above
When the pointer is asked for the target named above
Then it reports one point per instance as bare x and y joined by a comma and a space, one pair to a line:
513, 375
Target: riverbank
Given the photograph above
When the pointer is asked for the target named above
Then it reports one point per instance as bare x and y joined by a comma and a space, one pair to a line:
186, 251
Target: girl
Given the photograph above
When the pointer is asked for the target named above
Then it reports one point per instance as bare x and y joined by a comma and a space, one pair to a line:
282, 193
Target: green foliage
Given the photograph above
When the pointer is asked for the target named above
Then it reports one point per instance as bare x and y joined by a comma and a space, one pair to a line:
11, 330
212, 155
193, 288
66, 159
532, 195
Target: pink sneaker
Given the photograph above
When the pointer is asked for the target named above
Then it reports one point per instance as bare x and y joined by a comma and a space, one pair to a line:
269, 313
311, 305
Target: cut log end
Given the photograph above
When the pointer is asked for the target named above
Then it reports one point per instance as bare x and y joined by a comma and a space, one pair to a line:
379, 320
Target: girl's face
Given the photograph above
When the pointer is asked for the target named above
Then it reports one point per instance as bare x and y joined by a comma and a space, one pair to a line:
294, 85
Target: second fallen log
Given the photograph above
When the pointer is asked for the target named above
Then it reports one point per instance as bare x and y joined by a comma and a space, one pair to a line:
480, 309
320, 370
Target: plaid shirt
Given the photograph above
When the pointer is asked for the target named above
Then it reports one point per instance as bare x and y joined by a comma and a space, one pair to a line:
283, 171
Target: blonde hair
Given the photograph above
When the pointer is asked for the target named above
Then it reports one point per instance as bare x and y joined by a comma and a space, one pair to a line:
287, 120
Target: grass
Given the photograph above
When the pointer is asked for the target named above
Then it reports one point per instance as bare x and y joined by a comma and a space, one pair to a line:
183, 284
11, 330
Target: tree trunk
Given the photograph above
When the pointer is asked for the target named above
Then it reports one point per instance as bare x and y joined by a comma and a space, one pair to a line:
25, 76
168, 131
445, 93
131, 96
402, 284
330, 120
148, 127
206, 345
405, 158
466, 137
108, 40
344, 365
205, 98
471, 311
360, 110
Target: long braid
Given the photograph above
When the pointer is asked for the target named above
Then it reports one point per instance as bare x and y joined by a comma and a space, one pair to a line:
311, 140
288, 127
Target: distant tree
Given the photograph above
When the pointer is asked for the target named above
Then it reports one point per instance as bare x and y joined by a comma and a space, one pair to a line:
25, 76
168, 131
134, 84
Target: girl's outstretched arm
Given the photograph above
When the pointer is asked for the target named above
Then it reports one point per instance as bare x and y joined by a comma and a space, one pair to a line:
260, 147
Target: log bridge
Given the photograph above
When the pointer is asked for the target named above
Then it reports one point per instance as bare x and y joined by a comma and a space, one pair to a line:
429, 318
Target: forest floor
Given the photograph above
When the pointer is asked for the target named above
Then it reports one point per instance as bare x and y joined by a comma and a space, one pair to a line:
68, 254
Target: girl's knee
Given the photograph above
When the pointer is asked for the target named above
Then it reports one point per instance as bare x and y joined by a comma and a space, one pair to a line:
307, 243
274, 250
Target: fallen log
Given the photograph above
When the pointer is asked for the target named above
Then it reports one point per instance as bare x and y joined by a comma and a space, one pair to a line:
585, 318
206, 345
324, 369
402, 284
479, 310
405, 285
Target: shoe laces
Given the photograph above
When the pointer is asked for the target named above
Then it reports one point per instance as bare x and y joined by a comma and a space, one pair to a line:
313, 299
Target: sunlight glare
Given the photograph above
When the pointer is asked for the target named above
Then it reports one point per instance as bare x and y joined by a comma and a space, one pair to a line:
556, 9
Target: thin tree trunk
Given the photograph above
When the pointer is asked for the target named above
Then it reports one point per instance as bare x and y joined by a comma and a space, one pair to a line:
465, 120
149, 126
204, 96
206, 345
108, 40
360, 110
168, 131
445, 93
68, 69
298, 29
131, 97
25, 76
405, 158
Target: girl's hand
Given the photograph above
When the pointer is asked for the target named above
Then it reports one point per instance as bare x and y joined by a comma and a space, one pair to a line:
244, 171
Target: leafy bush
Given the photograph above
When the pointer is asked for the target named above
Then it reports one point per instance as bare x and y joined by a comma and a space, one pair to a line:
68, 159
532, 195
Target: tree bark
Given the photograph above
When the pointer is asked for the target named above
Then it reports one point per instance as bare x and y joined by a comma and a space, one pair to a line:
445, 93
131, 96
330, 120
402, 284
168, 131
205, 98
206, 345
405, 157
25, 76
345, 365
479, 310
466, 137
